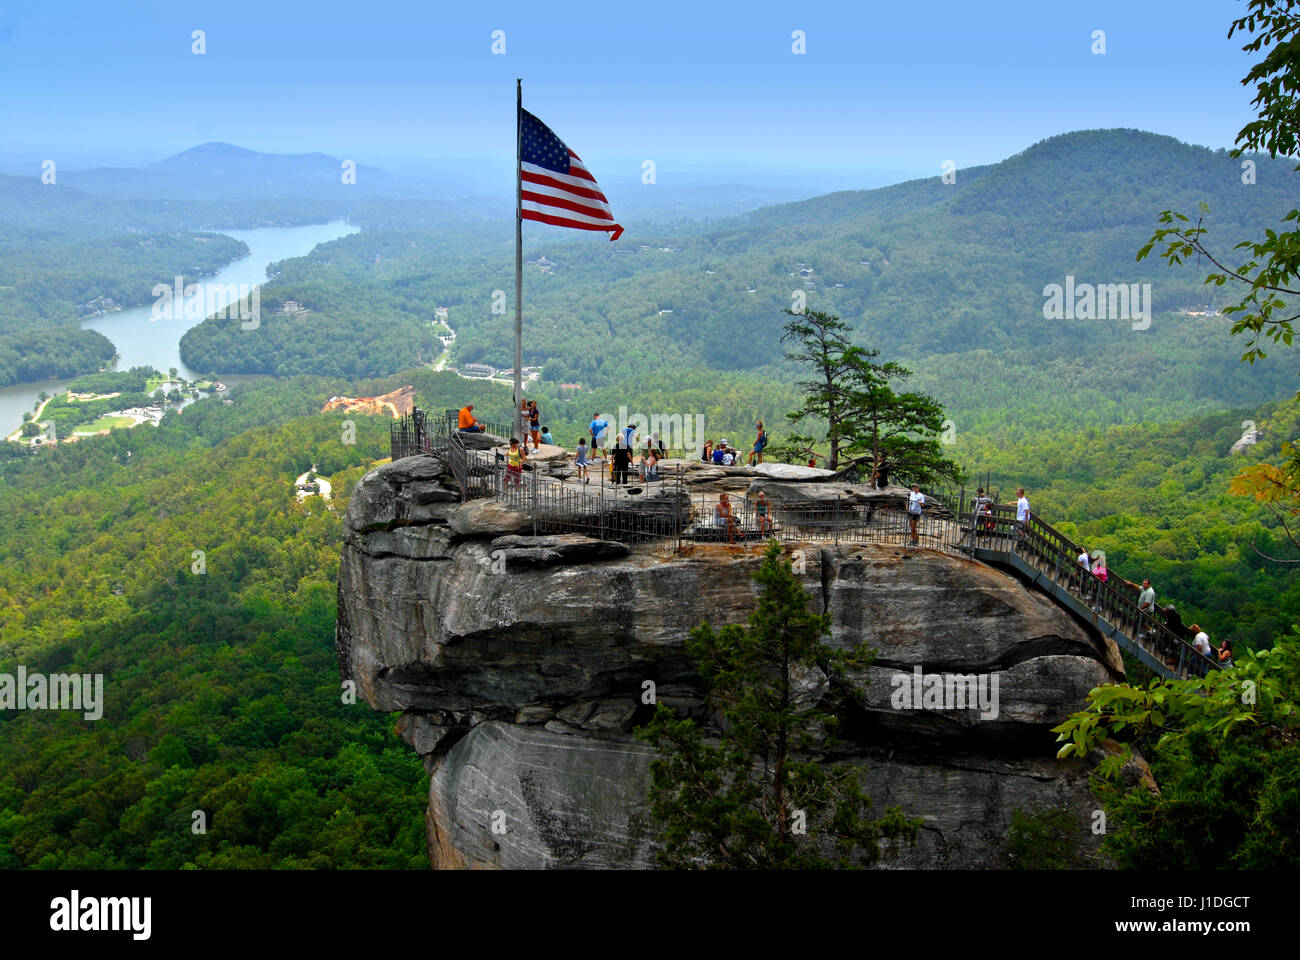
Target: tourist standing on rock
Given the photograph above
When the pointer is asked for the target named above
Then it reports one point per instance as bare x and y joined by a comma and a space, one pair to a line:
622, 461
535, 424
1085, 577
515, 463
759, 444
915, 504
598, 428
580, 461
467, 422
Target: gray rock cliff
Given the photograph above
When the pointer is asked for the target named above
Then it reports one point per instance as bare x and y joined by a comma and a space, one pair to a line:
519, 664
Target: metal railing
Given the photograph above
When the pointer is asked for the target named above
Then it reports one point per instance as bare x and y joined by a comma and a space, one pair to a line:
1055, 557
409, 436
666, 516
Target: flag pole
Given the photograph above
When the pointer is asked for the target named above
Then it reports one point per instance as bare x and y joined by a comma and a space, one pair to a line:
517, 416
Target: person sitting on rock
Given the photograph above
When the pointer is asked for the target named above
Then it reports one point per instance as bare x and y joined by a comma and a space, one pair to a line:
729, 457
467, 422
763, 510
707, 455
725, 516
650, 466
546, 436
720, 451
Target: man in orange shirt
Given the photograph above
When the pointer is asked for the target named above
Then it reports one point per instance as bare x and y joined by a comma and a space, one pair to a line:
467, 422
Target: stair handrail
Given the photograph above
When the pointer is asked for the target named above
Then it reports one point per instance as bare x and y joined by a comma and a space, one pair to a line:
1122, 611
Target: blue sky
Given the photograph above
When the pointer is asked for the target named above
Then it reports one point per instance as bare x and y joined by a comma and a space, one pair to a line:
885, 90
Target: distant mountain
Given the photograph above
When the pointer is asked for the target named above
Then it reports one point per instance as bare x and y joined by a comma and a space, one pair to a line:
225, 170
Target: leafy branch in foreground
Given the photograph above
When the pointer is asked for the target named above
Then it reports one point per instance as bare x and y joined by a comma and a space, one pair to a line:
1226, 753
1274, 263
1256, 694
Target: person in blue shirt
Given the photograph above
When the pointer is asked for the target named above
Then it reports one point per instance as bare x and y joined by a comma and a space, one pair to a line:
719, 451
629, 436
598, 428
546, 436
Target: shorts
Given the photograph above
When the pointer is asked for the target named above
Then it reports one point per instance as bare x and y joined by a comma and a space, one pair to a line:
514, 471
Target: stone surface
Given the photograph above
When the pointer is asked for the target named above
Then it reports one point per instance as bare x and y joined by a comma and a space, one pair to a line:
791, 471
545, 551
484, 441
488, 518
521, 682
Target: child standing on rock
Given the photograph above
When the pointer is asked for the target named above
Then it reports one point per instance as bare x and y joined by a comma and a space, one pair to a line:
580, 461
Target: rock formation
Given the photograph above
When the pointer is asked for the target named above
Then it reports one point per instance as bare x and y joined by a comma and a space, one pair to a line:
520, 663
396, 404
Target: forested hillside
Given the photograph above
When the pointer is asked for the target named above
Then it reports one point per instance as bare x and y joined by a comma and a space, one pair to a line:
220, 685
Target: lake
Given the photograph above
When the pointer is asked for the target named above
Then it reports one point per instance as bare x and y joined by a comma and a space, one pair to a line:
142, 340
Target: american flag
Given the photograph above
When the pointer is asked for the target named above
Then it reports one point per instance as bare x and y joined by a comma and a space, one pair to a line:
557, 188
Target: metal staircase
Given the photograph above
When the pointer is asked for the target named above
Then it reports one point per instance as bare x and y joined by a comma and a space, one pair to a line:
1047, 559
